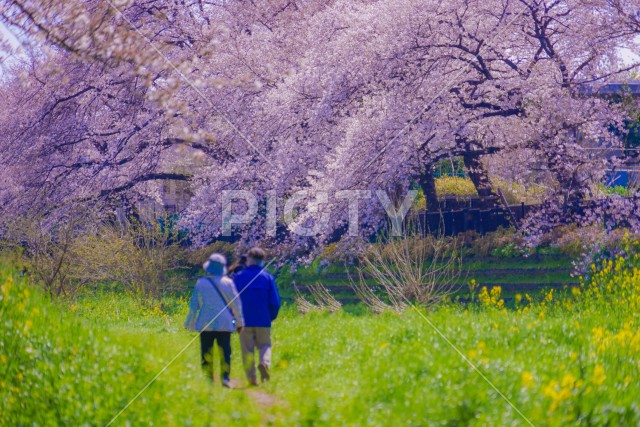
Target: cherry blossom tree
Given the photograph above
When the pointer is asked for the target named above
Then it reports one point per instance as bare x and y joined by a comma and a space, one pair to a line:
382, 90
284, 97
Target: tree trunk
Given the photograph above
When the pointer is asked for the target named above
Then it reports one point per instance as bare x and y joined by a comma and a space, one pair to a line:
428, 185
480, 178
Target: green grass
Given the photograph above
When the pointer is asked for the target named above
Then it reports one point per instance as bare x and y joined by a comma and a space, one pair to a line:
565, 361
516, 275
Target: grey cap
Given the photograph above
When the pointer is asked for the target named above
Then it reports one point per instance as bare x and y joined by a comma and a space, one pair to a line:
216, 264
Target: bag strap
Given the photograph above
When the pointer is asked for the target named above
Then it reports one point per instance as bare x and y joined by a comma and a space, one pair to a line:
221, 295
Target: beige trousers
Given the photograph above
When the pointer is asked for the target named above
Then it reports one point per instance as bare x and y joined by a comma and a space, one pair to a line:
252, 339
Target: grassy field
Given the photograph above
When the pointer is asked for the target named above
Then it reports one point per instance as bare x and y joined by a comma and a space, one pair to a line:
514, 275
548, 361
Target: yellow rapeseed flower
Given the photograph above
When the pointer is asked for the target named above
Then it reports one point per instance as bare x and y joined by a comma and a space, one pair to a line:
598, 333
7, 287
557, 394
568, 381
598, 376
527, 379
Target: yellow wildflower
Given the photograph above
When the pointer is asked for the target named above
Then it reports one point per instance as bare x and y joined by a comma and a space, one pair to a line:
568, 381
527, 379
598, 333
598, 376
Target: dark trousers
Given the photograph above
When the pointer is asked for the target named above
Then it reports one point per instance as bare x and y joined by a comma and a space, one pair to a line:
223, 339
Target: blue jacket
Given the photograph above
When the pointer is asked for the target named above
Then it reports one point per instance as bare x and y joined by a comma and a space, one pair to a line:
259, 296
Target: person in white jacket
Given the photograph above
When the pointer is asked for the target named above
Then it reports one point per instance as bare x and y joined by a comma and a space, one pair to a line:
216, 312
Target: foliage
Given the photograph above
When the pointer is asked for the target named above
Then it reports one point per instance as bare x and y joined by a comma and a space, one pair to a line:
453, 186
575, 241
322, 299
313, 96
141, 256
515, 192
138, 255
449, 167
56, 369
408, 268
195, 257
461, 187
47, 250
504, 242
557, 358
617, 190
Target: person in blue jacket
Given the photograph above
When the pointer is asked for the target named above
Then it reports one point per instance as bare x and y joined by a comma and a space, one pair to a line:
260, 306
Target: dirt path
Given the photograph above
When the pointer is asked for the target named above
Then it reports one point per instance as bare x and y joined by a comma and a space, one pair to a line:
263, 399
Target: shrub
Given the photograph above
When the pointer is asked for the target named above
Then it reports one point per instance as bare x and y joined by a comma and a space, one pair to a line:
502, 242
46, 250
409, 268
138, 255
515, 192
196, 257
574, 241
602, 190
453, 186
77, 250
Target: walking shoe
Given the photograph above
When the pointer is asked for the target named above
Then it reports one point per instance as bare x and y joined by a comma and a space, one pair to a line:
226, 383
264, 374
